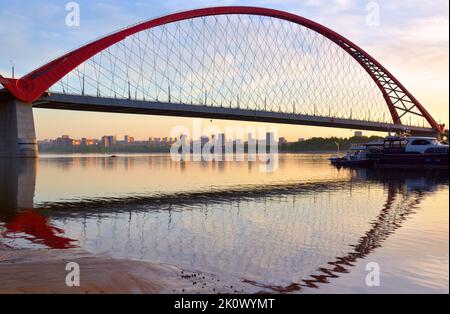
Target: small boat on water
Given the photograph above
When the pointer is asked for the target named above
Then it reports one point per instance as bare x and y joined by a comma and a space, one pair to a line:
359, 155
400, 151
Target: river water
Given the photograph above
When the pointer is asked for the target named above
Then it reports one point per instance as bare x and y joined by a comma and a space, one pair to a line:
306, 227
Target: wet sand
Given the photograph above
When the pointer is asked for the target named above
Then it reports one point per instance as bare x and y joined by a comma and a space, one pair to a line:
43, 271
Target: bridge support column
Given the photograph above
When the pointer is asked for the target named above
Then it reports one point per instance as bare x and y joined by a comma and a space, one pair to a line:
17, 134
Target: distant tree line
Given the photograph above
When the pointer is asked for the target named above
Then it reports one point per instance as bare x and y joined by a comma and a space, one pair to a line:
325, 144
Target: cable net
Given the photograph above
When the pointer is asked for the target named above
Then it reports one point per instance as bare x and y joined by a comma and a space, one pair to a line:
237, 61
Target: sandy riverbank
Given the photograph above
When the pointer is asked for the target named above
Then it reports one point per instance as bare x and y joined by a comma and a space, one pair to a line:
43, 271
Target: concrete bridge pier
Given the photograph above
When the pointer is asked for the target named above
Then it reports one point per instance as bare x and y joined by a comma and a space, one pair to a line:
17, 133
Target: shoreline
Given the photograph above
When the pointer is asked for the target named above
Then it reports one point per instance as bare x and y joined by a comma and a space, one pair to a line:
43, 271
108, 154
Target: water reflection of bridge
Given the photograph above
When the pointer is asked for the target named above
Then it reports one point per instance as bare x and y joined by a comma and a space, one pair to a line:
299, 231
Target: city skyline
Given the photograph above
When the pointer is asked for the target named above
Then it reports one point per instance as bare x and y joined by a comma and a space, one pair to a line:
127, 138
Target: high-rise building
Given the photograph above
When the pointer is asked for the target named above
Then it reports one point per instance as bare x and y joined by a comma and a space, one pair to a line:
64, 141
128, 139
183, 139
90, 142
221, 139
203, 140
270, 138
250, 139
282, 140
108, 140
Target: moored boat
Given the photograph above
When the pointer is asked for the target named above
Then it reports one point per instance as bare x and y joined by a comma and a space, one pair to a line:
413, 152
400, 151
360, 155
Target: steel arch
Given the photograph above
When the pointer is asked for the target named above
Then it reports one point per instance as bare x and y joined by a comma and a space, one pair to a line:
33, 85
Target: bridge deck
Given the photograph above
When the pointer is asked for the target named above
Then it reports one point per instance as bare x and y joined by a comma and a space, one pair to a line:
100, 104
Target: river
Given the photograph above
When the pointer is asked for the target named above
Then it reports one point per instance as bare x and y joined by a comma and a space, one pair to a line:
306, 227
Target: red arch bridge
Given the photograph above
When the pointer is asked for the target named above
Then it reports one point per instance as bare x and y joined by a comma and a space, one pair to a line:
239, 63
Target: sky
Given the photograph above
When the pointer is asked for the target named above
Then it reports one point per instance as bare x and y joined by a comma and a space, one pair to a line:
411, 40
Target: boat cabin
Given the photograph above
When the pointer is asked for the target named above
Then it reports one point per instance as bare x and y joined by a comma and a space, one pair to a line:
413, 144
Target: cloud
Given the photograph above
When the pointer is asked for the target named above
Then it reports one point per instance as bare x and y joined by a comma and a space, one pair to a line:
418, 55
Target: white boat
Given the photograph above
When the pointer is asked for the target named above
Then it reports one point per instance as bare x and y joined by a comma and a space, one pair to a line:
357, 155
